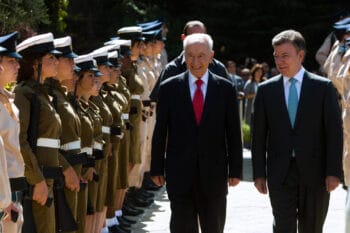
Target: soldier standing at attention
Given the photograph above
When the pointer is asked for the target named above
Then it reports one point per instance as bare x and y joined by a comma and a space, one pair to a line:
9, 131
40, 125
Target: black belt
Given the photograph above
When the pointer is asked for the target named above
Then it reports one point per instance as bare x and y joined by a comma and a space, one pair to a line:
18, 184
90, 162
116, 130
146, 103
98, 154
76, 159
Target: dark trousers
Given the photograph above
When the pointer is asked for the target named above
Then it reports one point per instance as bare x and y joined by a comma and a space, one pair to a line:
193, 208
297, 206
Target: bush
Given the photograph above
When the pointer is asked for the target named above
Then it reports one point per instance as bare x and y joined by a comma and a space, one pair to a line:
246, 133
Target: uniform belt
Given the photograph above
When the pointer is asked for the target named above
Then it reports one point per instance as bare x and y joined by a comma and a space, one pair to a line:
48, 142
146, 103
87, 150
98, 154
106, 129
135, 97
76, 159
75, 145
125, 116
116, 130
98, 146
18, 184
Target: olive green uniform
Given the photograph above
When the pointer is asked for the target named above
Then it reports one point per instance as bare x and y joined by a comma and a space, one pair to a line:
122, 96
71, 131
135, 86
102, 165
116, 134
48, 129
87, 137
96, 119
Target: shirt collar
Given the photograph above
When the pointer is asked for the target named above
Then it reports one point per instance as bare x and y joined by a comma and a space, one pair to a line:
204, 78
298, 76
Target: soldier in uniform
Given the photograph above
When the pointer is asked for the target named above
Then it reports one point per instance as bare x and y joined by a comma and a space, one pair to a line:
101, 57
40, 126
70, 137
85, 87
116, 101
9, 131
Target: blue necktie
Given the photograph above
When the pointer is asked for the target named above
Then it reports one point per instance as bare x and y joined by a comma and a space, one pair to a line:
292, 101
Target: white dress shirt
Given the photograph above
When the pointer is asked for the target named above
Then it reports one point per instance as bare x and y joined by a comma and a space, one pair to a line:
9, 131
192, 83
299, 77
5, 191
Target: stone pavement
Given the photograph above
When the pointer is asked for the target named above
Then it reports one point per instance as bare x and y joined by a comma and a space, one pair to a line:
247, 210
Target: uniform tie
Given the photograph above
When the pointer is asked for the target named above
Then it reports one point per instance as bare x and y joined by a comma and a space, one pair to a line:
198, 101
292, 101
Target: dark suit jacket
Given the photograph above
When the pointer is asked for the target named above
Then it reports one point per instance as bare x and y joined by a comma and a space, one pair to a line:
185, 152
177, 66
317, 137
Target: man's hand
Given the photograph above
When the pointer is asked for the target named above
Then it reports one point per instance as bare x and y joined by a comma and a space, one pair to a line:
332, 183
40, 192
233, 181
158, 180
71, 179
260, 185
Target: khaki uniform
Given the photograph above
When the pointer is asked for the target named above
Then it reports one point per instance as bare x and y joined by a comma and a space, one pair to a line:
102, 165
331, 67
123, 98
96, 120
71, 131
87, 137
49, 128
135, 86
116, 135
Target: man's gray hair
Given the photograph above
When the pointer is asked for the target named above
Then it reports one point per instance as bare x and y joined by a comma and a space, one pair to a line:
198, 37
290, 36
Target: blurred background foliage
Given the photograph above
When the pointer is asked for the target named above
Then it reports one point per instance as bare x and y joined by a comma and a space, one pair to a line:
240, 28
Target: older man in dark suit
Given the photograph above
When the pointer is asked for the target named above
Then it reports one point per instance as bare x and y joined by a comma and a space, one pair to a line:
298, 123
197, 141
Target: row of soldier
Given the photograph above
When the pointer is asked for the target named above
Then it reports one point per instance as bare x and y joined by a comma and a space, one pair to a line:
82, 158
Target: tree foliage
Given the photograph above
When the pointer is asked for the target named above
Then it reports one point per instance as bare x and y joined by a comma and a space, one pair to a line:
22, 15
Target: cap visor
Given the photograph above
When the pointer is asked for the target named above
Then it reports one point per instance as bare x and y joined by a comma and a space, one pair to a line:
98, 74
55, 52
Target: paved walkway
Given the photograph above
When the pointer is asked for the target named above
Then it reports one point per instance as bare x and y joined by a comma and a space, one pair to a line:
247, 210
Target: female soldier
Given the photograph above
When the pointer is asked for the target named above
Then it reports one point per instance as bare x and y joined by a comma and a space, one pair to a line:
9, 131
40, 126
70, 137
85, 87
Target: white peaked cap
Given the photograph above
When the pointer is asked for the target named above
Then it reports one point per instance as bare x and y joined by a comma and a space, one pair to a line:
119, 42
63, 42
130, 29
35, 40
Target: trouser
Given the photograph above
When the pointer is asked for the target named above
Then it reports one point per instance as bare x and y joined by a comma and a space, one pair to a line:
297, 206
347, 213
346, 155
112, 174
188, 208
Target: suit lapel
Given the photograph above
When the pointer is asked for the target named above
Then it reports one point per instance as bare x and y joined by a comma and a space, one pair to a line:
209, 102
187, 97
304, 96
282, 100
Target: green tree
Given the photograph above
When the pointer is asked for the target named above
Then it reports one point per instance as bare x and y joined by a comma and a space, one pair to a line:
22, 15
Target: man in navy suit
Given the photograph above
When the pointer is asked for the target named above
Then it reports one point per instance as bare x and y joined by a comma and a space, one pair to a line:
196, 144
297, 140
